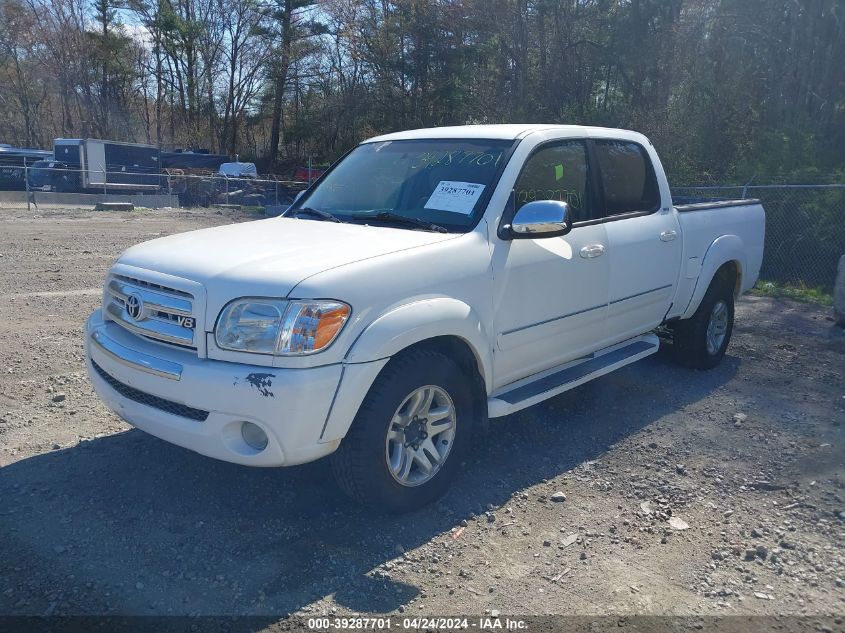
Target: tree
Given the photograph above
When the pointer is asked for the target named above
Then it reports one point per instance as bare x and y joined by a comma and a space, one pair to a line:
725, 88
285, 15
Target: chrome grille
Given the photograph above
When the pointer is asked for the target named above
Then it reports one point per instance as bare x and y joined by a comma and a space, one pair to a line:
149, 309
153, 286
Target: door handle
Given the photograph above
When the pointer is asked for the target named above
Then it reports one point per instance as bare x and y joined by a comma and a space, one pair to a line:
593, 250
668, 236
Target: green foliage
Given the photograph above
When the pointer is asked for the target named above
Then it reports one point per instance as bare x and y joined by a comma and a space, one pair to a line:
798, 292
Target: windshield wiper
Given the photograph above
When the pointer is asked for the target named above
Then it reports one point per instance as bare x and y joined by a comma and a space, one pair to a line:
397, 218
317, 213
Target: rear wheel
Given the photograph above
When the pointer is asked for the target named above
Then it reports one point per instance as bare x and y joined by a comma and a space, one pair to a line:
701, 341
405, 443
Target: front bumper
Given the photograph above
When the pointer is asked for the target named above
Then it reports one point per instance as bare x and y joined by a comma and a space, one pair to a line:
158, 388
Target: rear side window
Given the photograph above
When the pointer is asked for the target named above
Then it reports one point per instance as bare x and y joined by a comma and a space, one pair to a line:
627, 177
557, 172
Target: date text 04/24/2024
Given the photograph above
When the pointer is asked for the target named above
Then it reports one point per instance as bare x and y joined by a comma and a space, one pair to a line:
483, 623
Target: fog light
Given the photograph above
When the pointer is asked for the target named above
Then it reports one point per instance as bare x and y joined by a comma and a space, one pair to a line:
254, 436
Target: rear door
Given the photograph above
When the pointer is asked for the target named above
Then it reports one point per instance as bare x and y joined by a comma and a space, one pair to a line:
95, 163
644, 241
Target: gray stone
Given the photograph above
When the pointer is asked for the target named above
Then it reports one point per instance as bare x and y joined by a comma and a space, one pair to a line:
839, 293
677, 523
558, 497
569, 540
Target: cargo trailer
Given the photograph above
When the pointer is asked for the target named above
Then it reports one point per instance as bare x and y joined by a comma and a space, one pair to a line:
109, 166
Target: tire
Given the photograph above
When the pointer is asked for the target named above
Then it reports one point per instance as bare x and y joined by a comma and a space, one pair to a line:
361, 464
694, 343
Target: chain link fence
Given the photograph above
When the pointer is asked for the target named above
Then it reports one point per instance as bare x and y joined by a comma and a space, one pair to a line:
210, 190
191, 189
805, 229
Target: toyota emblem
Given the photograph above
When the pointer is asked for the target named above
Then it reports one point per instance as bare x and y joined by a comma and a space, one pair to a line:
134, 307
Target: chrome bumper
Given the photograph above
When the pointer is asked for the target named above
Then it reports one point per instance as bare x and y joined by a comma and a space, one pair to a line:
135, 359
290, 405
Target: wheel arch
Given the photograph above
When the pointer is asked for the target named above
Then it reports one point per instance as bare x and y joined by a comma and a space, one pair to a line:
444, 325
442, 322
465, 356
724, 257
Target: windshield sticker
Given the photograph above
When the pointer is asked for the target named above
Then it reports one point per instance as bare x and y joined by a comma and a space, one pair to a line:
457, 197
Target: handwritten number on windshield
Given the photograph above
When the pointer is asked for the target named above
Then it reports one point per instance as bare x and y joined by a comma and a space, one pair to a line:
458, 157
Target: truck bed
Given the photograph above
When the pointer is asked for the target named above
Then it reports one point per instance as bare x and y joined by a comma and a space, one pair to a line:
716, 230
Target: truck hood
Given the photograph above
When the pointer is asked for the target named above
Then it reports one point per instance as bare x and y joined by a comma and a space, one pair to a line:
268, 257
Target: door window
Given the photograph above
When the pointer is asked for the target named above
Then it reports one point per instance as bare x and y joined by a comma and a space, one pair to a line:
627, 177
557, 172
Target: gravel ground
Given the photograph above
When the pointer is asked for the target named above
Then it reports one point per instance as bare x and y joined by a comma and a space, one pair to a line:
654, 490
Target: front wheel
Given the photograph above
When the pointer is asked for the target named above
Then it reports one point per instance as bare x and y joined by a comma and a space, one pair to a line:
405, 443
701, 341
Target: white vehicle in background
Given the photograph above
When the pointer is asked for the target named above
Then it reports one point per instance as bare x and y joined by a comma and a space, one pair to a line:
428, 281
238, 170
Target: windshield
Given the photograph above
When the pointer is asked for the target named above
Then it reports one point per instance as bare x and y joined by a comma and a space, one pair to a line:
440, 182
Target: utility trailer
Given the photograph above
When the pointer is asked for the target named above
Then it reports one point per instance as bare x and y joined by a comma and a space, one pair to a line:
108, 166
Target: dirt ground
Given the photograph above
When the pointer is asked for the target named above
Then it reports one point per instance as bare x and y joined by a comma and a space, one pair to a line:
97, 518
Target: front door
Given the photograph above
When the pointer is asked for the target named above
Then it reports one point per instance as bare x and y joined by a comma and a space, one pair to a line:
551, 294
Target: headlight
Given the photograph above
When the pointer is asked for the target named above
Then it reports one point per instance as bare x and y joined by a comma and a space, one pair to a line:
250, 325
289, 328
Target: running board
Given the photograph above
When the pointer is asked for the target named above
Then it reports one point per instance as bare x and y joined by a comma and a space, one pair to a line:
534, 389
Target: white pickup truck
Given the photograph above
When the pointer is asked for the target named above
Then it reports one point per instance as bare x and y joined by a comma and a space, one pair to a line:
430, 280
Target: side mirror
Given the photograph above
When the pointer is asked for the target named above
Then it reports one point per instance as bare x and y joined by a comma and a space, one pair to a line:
541, 218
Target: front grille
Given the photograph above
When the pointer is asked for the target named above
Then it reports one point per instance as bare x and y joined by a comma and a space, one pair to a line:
161, 313
153, 286
150, 400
